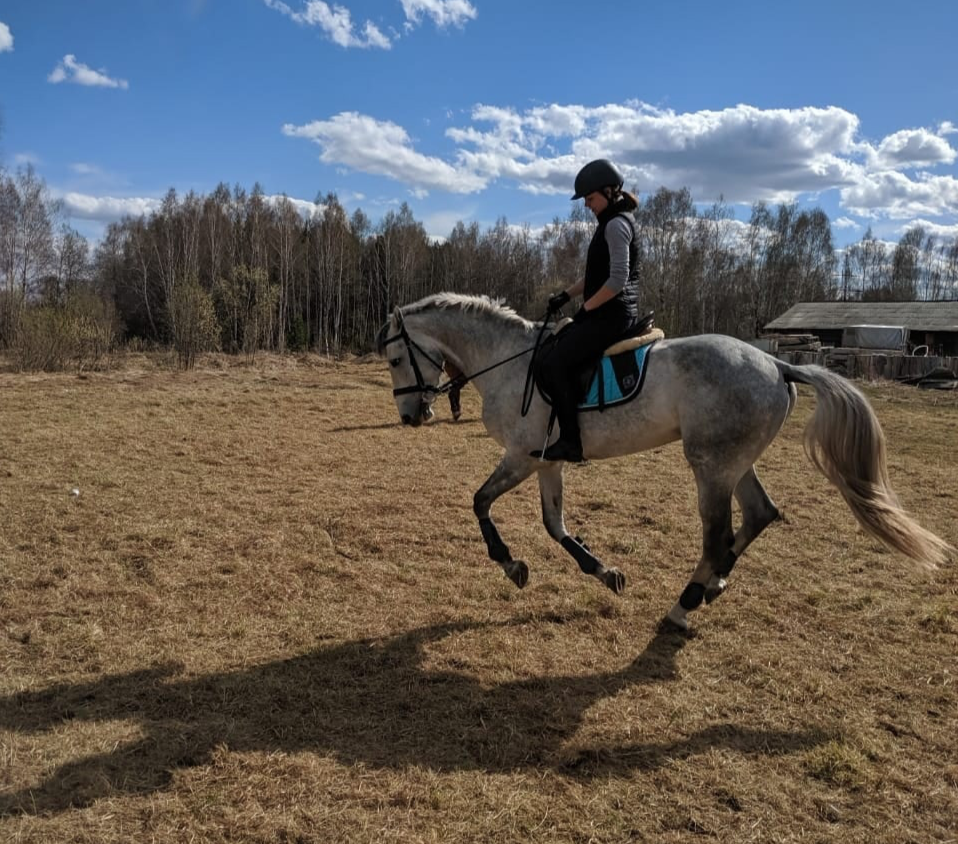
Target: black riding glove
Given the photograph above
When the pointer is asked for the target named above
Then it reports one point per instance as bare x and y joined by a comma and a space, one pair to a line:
557, 300
580, 315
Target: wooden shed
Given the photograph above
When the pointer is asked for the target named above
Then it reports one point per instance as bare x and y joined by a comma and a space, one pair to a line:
931, 324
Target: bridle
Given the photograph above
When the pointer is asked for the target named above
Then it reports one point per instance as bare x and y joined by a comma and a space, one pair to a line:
460, 380
421, 386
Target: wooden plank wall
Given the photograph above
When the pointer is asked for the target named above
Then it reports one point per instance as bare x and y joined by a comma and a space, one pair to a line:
873, 367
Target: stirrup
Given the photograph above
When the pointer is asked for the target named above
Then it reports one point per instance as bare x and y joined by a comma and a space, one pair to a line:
570, 452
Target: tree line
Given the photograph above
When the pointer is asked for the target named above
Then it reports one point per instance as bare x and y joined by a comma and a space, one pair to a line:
241, 272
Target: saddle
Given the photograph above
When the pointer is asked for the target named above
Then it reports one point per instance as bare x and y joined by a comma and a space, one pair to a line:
618, 377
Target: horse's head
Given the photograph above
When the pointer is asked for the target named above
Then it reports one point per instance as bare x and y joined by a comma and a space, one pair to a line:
415, 368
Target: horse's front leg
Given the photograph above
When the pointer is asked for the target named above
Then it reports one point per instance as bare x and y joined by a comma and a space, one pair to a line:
508, 474
715, 510
550, 489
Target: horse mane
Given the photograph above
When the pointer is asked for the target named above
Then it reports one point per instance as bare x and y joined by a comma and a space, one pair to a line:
465, 302
480, 304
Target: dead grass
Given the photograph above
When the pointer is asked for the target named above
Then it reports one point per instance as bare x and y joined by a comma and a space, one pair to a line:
268, 616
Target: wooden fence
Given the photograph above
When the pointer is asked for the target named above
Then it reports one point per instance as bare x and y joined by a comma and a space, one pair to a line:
875, 366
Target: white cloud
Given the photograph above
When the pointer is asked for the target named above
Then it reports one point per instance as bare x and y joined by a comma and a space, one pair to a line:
6, 38
845, 223
70, 70
943, 232
558, 121
336, 22
83, 169
912, 148
383, 148
107, 208
375, 38
743, 154
892, 194
440, 224
443, 12
306, 209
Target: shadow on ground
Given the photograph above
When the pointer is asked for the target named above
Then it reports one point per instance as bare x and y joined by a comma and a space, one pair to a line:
367, 701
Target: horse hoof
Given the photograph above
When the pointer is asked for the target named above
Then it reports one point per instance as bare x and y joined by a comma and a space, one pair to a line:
518, 572
615, 580
715, 588
678, 617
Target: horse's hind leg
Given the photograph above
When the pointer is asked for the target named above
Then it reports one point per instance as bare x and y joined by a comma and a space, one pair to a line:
758, 512
507, 475
550, 490
715, 509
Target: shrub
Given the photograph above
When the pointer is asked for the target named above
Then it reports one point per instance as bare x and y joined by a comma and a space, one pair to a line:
194, 323
78, 334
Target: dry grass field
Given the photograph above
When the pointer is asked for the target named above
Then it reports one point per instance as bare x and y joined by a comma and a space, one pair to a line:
268, 616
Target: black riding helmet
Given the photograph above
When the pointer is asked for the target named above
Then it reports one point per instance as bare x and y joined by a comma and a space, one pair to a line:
596, 175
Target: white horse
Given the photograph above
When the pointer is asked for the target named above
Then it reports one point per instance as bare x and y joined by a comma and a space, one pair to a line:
723, 398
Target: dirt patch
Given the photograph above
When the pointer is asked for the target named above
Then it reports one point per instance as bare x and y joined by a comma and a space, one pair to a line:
244, 604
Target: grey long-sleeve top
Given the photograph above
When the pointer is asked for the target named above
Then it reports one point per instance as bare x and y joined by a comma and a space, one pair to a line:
618, 236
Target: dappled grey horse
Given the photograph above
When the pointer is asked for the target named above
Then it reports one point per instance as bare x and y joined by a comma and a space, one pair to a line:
723, 398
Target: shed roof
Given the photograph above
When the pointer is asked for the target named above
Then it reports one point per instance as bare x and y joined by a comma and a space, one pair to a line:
916, 316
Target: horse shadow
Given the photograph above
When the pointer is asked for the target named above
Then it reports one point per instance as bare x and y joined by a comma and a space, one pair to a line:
385, 426
370, 701
382, 426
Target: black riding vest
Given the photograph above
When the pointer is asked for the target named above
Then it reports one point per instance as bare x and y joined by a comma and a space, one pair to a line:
598, 265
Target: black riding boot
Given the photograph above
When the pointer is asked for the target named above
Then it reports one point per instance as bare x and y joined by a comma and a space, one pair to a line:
569, 445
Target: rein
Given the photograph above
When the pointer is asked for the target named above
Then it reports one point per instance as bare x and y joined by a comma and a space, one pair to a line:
460, 380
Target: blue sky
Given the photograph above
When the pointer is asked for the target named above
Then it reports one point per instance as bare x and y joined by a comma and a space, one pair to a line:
476, 109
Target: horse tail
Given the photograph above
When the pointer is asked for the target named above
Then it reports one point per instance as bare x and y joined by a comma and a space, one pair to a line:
845, 441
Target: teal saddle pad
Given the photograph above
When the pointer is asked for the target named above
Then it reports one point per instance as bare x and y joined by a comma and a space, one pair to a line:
615, 380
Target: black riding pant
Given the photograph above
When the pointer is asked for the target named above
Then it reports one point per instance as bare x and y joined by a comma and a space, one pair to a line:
577, 349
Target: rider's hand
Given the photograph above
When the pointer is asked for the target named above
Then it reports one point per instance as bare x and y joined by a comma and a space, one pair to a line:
580, 315
557, 300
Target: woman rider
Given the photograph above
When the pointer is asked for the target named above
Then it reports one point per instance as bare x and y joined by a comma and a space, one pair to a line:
609, 289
